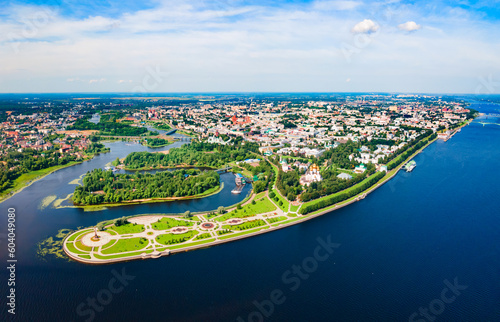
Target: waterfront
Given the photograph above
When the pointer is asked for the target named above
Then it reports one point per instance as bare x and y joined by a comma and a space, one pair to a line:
397, 246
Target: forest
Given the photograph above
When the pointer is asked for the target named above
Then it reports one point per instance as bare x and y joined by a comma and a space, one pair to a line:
194, 154
157, 142
16, 163
101, 186
108, 126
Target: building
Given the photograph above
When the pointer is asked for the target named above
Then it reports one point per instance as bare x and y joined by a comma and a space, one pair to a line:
344, 176
360, 168
312, 175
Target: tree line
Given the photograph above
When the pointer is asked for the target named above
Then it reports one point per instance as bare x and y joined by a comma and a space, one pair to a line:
101, 186
342, 195
195, 154
108, 126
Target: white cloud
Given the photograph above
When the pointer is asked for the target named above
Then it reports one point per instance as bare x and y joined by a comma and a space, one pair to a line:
96, 80
409, 26
336, 5
365, 26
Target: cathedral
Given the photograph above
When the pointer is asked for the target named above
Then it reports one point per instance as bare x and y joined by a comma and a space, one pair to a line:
312, 175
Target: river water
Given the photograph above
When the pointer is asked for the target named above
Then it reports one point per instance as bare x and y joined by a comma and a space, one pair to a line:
398, 250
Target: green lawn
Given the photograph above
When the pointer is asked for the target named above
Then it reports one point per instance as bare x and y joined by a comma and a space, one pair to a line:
242, 233
167, 223
246, 225
128, 228
127, 245
73, 249
203, 236
285, 204
168, 239
193, 244
78, 235
262, 205
276, 219
111, 242
294, 208
83, 247
122, 255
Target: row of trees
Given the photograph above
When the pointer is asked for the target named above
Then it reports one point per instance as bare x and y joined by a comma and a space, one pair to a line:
331, 184
288, 183
194, 154
410, 149
105, 186
342, 196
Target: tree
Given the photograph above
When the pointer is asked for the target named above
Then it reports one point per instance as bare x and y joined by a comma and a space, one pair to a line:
188, 214
220, 210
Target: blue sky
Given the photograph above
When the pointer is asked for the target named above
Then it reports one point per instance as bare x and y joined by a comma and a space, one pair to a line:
233, 45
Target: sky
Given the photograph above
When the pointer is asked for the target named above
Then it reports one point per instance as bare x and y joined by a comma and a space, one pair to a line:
152, 46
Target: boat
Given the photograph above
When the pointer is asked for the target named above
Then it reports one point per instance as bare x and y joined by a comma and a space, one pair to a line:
237, 190
410, 166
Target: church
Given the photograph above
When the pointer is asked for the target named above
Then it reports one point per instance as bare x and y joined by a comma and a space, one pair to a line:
312, 175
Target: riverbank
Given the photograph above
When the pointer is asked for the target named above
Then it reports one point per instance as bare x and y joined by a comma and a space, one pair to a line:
26, 179
208, 193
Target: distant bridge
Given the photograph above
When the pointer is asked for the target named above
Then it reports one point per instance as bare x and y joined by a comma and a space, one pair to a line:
484, 123
224, 170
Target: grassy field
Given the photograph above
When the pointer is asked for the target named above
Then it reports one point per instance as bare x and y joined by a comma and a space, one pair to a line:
285, 204
167, 223
123, 255
168, 239
276, 219
73, 249
242, 233
193, 244
262, 205
294, 208
75, 236
127, 245
83, 247
246, 225
128, 228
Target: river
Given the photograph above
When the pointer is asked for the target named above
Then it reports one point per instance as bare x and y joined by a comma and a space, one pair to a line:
398, 249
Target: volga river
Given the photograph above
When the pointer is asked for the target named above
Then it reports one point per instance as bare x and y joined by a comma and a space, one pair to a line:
423, 247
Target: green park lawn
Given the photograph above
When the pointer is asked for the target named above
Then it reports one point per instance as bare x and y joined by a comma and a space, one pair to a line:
128, 228
285, 202
167, 223
246, 225
262, 205
73, 249
168, 239
127, 245
276, 219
